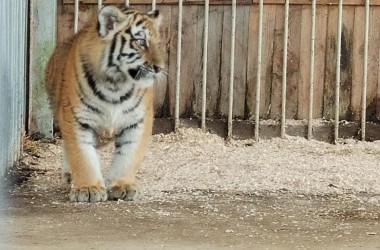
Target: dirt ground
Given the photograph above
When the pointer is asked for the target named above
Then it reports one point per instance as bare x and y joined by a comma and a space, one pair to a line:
202, 193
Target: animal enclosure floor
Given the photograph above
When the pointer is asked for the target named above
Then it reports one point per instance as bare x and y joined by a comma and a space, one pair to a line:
202, 193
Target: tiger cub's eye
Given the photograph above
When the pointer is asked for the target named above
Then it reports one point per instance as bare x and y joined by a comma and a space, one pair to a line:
141, 42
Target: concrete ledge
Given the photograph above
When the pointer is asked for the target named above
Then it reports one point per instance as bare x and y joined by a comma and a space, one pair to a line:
322, 131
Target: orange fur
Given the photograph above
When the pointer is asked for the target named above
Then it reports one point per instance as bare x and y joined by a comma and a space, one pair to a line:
63, 77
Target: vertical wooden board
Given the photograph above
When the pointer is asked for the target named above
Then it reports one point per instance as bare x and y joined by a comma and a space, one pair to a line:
42, 43
373, 101
172, 54
346, 64
320, 54
214, 60
319, 62
65, 26
253, 30
241, 48
277, 57
330, 71
241, 52
377, 11
161, 85
304, 74
197, 102
293, 71
188, 61
269, 20
358, 60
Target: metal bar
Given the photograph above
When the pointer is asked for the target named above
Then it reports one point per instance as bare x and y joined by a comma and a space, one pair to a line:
284, 70
337, 82
258, 76
100, 4
312, 59
153, 4
365, 76
205, 55
239, 2
126, 3
232, 70
76, 16
179, 47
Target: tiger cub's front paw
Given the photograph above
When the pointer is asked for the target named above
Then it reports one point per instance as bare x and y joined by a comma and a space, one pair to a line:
124, 192
88, 194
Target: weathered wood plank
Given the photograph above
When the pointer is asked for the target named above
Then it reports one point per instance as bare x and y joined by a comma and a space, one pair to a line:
65, 27
189, 43
320, 55
330, 72
253, 30
227, 2
241, 47
277, 57
358, 60
161, 108
319, 66
304, 74
295, 13
172, 54
293, 72
197, 101
373, 107
269, 17
346, 63
214, 60
42, 43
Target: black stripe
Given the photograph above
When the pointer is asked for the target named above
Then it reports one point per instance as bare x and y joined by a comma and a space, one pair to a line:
86, 126
120, 144
91, 82
112, 51
82, 96
128, 94
130, 55
140, 22
132, 126
134, 60
90, 107
122, 41
136, 105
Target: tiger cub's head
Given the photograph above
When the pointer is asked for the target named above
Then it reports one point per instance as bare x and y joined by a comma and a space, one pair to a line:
132, 51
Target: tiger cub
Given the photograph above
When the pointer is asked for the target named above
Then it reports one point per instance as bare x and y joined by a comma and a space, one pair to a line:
100, 88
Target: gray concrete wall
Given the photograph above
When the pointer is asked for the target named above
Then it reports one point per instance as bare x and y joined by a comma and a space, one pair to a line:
13, 23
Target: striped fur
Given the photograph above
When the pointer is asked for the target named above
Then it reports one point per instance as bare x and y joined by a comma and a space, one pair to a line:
100, 89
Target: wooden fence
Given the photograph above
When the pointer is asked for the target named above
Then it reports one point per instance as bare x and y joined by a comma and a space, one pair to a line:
272, 56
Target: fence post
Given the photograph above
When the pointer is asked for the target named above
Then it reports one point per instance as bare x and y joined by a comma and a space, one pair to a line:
42, 43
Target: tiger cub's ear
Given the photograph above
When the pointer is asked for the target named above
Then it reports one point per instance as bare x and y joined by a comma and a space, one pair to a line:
108, 19
156, 17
